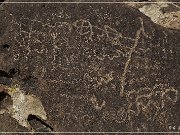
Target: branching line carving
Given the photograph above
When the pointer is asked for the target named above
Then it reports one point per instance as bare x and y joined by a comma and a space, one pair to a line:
123, 78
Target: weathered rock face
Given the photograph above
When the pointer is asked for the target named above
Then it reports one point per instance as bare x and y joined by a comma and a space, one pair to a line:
164, 14
95, 67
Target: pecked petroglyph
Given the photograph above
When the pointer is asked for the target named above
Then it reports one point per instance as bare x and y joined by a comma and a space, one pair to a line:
101, 69
94, 102
84, 28
138, 34
146, 99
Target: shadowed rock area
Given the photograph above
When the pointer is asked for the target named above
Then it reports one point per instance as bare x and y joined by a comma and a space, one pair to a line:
95, 67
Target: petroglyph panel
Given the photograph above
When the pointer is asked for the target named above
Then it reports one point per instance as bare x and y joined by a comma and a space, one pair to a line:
95, 67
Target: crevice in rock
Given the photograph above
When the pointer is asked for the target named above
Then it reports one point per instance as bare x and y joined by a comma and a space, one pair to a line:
39, 124
10, 73
5, 100
1, 1
13, 71
2, 96
5, 74
5, 46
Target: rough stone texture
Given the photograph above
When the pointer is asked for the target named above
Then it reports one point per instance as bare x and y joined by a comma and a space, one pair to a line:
95, 67
164, 14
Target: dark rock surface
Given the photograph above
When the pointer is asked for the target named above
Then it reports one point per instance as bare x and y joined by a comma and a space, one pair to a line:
95, 67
